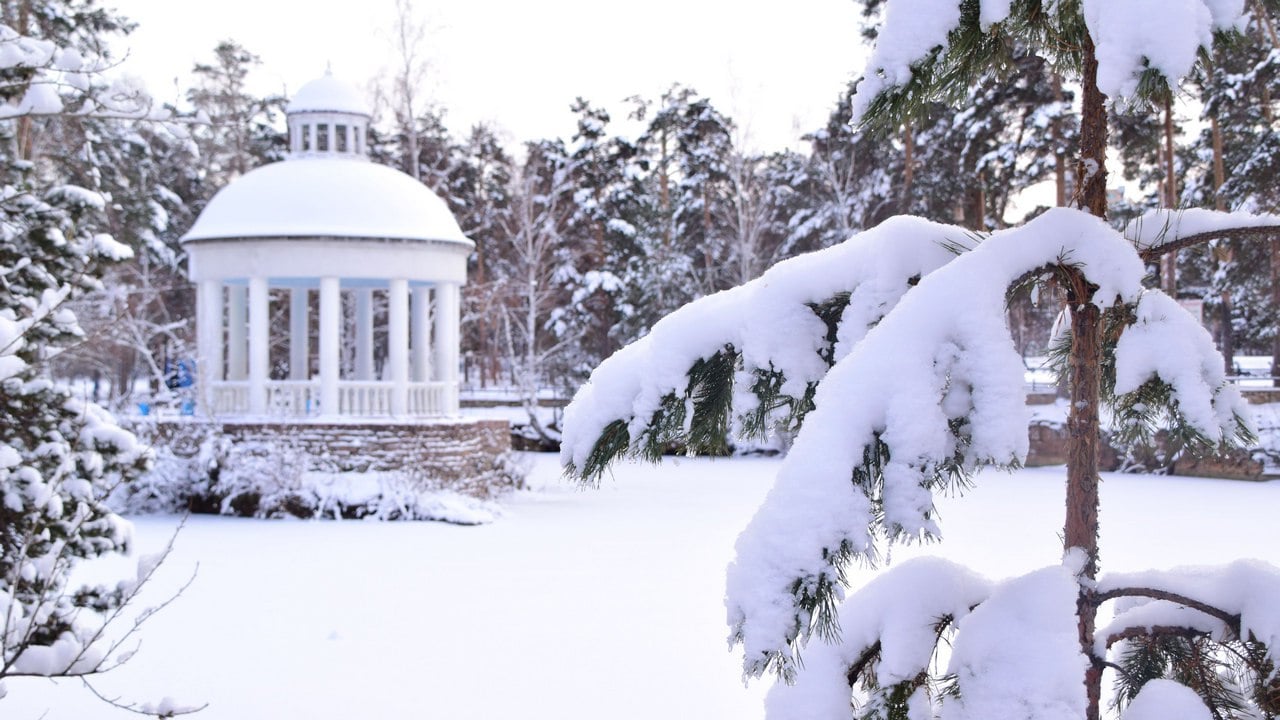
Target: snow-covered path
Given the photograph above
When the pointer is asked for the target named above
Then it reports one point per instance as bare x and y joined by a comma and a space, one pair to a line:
577, 605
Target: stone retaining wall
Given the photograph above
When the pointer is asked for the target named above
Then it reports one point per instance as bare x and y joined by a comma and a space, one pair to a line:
451, 451
459, 455
1049, 447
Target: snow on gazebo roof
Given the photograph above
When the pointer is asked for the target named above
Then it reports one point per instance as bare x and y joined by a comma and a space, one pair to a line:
328, 94
329, 198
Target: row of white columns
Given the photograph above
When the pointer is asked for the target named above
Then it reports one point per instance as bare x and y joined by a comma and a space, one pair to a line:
409, 318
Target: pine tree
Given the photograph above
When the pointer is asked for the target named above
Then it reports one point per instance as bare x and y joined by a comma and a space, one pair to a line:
241, 133
934, 391
59, 456
482, 188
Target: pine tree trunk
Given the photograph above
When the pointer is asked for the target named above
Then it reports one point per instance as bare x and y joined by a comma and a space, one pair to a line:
1275, 299
908, 168
1220, 204
980, 204
1080, 531
1059, 152
1169, 262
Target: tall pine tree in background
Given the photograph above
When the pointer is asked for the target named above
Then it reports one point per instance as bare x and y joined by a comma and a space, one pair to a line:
236, 132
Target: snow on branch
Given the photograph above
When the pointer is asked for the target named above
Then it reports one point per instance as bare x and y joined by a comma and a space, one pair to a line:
937, 639
1161, 699
924, 45
1166, 358
933, 391
1239, 598
889, 635
1157, 232
771, 333
37, 77
1018, 655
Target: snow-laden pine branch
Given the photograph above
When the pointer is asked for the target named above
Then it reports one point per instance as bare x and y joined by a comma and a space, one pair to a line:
924, 45
766, 326
938, 640
933, 391
926, 386
1156, 232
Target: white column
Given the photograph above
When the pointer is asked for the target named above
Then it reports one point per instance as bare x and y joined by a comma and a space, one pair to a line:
259, 347
447, 334
311, 132
398, 344
421, 339
330, 342
209, 340
364, 334
299, 337
237, 343
351, 138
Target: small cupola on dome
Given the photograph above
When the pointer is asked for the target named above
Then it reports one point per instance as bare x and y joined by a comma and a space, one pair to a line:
327, 118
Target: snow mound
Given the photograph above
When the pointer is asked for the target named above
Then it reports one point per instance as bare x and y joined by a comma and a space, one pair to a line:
1163, 699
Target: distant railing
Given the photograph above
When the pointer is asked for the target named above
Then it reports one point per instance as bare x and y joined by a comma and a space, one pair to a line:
1254, 383
293, 398
356, 398
364, 398
230, 398
428, 398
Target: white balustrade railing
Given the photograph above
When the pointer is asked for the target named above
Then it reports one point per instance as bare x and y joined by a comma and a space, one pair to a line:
428, 398
293, 398
301, 398
363, 398
230, 398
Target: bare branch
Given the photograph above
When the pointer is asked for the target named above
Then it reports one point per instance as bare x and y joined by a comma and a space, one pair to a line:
1230, 620
142, 709
1138, 631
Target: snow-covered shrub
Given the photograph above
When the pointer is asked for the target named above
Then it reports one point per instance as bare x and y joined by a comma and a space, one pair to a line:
197, 469
185, 458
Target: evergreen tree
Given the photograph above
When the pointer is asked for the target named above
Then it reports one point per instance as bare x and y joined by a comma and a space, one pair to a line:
900, 400
483, 190
682, 160
240, 134
598, 226
59, 457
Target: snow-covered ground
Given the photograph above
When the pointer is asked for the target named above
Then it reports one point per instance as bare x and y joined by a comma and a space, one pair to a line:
578, 604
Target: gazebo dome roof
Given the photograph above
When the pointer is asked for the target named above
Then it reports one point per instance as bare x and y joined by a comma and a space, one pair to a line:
326, 197
327, 94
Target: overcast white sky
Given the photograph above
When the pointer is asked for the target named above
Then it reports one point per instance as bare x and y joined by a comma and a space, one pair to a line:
520, 63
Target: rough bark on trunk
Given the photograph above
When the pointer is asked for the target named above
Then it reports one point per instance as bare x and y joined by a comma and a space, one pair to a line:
1227, 254
1080, 531
1060, 153
908, 168
1169, 263
1275, 299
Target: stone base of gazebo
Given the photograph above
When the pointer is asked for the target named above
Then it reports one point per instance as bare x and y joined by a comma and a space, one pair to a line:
451, 451
209, 463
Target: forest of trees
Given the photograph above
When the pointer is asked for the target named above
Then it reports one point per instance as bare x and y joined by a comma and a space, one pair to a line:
583, 241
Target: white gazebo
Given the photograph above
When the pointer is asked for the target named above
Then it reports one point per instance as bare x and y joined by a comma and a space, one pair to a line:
376, 253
